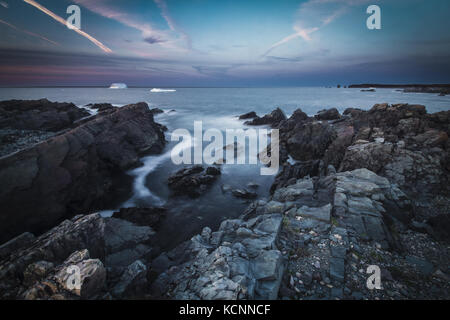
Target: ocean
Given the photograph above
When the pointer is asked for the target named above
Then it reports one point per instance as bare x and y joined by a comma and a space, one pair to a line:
216, 108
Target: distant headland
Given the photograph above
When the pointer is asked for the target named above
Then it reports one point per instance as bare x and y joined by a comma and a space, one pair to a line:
442, 89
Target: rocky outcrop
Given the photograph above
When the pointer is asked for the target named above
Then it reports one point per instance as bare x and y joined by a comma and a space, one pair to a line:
39, 115
248, 115
239, 261
87, 257
330, 246
310, 140
101, 107
400, 142
27, 122
74, 172
193, 181
273, 119
51, 248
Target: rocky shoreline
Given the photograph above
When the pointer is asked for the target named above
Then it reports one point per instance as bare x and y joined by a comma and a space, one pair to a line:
77, 170
358, 189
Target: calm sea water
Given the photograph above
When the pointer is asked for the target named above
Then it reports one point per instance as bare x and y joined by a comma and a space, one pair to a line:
216, 108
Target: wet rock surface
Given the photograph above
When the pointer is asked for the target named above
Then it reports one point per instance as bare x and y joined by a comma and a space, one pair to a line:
371, 191
349, 203
193, 181
75, 171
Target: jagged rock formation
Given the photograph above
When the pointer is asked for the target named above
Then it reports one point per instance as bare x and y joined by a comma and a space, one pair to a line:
303, 244
75, 171
239, 261
111, 255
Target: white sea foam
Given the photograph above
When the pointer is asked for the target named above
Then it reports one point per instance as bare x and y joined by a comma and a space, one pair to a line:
140, 190
162, 90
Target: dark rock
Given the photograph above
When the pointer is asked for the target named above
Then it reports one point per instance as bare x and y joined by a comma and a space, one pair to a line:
74, 172
192, 181
440, 226
248, 115
36, 271
336, 150
85, 232
291, 172
273, 119
15, 244
337, 269
329, 114
133, 281
126, 242
422, 265
243, 193
101, 107
142, 216
298, 115
310, 140
156, 111
39, 114
213, 171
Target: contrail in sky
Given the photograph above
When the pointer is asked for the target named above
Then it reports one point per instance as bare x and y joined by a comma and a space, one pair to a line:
62, 21
28, 32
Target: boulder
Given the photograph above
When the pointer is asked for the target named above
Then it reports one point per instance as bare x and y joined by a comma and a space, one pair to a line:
192, 181
328, 114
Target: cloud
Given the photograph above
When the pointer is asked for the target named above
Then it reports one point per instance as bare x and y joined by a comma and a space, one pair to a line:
4, 4
171, 22
153, 40
28, 32
102, 8
62, 21
313, 15
299, 33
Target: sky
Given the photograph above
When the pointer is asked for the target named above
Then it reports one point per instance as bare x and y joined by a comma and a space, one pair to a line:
190, 43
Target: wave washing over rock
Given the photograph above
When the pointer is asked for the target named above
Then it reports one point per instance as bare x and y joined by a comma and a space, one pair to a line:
74, 171
358, 189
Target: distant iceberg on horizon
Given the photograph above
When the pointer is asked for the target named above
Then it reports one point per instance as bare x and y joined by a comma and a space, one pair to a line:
162, 90
118, 86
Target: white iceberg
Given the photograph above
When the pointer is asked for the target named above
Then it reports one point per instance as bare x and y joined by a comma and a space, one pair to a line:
118, 86
162, 90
